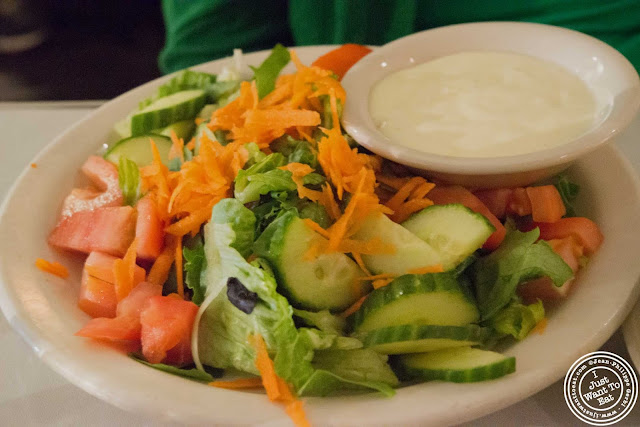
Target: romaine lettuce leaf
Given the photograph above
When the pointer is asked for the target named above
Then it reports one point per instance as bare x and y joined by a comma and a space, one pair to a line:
129, 180
517, 319
568, 192
191, 374
323, 320
519, 258
194, 264
221, 331
296, 150
267, 73
242, 220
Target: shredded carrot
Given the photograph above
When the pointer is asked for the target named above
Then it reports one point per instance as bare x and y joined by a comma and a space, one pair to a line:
335, 121
378, 277
358, 258
124, 271
316, 227
54, 268
409, 208
34, 165
179, 271
329, 202
355, 307
160, 269
436, 268
540, 327
380, 283
409, 198
191, 145
238, 384
177, 147
391, 181
298, 172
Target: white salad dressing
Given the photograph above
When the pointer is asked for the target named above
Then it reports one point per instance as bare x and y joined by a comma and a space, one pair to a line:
482, 104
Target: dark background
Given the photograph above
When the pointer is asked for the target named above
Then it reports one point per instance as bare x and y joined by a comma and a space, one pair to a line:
94, 49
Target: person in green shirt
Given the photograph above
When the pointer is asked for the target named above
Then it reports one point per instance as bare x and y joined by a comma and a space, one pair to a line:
201, 30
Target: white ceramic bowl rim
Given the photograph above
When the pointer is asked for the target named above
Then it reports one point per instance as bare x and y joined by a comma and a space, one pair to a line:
597, 63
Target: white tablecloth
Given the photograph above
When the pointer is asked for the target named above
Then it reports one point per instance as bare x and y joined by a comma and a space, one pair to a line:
32, 394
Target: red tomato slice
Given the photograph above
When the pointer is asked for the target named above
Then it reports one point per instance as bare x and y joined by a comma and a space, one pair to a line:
496, 200
149, 230
519, 203
543, 289
100, 266
104, 176
456, 194
180, 355
586, 232
341, 59
110, 230
97, 297
165, 323
546, 203
116, 329
133, 304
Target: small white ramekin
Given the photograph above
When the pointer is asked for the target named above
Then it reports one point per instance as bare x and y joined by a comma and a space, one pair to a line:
610, 76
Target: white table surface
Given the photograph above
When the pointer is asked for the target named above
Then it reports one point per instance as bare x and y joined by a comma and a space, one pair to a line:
31, 394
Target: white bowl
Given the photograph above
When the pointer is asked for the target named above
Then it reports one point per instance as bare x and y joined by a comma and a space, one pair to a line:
43, 308
608, 74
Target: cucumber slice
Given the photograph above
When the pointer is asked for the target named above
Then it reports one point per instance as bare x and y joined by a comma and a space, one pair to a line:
207, 111
422, 338
170, 109
138, 149
183, 129
411, 252
459, 365
429, 299
328, 282
454, 231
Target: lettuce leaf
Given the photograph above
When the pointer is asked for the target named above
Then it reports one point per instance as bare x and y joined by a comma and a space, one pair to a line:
242, 221
323, 320
221, 331
517, 319
519, 258
191, 374
296, 151
568, 192
194, 264
267, 73
129, 180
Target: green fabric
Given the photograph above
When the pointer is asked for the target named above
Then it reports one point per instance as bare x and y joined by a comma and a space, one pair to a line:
201, 30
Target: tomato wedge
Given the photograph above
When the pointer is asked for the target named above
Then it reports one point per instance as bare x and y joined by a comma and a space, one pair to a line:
100, 266
109, 230
496, 200
134, 303
442, 195
149, 230
117, 329
341, 59
546, 203
104, 177
97, 297
586, 232
166, 322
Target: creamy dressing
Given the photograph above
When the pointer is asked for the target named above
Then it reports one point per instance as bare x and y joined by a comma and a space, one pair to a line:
482, 104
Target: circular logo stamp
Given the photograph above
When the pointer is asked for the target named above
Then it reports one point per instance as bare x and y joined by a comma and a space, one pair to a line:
601, 388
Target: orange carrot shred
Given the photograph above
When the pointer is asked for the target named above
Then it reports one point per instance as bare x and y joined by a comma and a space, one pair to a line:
238, 384
358, 258
436, 268
179, 271
316, 227
277, 389
160, 269
380, 283
355, 307
54, 268
540, 327
177, 147
124, 271
34, 165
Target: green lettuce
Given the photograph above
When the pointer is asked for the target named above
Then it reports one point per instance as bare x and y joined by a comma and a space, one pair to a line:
194, 264
516, 319
222, 330
323, 320
519, 258
568, 192
267, 73
129, 180
296, 151
242, 221
191, 374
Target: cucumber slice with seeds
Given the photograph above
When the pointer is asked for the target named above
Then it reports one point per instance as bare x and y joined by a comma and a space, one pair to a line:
138, 149
422, 338
459, 365
430, 299
453, 230
411, 252
183, 129
328, 281
167, 110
